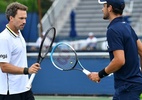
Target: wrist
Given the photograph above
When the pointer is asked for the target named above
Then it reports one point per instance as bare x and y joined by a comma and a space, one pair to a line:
26, 71
102, 73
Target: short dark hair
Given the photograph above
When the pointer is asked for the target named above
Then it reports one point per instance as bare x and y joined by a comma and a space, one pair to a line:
12, 8
117, 10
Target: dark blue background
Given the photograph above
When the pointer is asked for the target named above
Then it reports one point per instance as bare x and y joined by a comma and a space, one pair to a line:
30, 31
50, 80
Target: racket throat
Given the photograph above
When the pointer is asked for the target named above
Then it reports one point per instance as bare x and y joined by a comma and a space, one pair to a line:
86, 72
39, 60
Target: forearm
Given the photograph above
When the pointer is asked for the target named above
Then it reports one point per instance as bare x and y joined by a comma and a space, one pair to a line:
117, 62
9, 68
113, 66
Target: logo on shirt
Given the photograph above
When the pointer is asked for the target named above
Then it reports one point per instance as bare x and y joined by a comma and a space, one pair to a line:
3, 56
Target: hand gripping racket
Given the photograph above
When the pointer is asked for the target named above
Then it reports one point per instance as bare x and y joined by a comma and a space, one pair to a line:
64, 57
45, 46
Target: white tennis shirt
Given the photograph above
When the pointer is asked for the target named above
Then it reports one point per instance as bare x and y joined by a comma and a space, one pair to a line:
13, 51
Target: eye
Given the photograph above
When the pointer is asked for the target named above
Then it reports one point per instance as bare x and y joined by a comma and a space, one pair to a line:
22, 18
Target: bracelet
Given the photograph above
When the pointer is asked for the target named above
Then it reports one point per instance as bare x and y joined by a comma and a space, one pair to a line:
26, 71
102, 73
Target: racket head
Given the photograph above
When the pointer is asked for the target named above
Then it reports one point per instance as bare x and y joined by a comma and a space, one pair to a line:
63, 56
46, 43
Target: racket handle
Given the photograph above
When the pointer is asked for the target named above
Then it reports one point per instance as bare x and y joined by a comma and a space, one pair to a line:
29, 84
86, 72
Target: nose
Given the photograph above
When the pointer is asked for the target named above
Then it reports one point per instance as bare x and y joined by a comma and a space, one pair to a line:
24, 21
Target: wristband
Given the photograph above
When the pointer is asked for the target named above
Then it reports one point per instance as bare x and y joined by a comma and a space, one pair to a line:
102, 73
26, 71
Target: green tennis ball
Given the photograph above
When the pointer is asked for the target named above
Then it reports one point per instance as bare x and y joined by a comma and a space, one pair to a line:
141, 97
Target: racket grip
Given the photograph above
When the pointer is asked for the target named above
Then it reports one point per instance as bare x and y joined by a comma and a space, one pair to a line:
86, 72
29, 84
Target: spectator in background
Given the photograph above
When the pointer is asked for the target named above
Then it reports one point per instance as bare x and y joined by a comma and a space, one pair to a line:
38, 42
91, 41
47, 40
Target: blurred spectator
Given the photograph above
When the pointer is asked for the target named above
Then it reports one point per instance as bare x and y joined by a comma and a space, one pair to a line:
91, 41
38, 42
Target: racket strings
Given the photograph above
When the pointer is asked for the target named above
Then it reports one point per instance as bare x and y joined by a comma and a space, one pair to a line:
47, 42
66, 58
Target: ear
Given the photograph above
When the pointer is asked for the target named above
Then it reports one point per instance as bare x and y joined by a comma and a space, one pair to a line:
10, 18
110, 8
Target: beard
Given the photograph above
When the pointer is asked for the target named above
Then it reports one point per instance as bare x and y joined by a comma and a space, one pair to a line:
21, 27
106, 16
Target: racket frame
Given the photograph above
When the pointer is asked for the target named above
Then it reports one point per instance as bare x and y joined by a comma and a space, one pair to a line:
40, 58
51, 56
77, 60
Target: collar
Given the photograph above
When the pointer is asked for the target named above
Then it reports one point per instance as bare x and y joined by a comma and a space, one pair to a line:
11, 32
115, 20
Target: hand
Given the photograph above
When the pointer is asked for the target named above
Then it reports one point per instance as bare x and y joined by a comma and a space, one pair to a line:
34, 68
94, 77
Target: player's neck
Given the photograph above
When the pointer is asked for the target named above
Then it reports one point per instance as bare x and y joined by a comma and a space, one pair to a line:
13, 28
113, 17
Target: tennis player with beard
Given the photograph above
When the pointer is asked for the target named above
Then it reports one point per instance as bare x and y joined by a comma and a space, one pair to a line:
125, 50
13, 59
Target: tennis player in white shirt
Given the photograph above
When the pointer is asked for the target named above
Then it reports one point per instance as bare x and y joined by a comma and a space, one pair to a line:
13, 59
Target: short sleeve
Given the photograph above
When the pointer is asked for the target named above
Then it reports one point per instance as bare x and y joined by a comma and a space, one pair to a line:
5, 50
115, 41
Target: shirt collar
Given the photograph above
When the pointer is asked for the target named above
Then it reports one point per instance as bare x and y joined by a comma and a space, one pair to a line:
11, 32
118, 19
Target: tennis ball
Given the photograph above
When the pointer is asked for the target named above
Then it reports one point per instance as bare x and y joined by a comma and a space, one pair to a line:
141, 97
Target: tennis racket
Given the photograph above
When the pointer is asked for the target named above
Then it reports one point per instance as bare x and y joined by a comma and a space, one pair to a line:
64, 57
45, 46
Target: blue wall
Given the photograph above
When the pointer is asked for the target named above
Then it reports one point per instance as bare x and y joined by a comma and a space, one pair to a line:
50, 80
30, 31
3, 22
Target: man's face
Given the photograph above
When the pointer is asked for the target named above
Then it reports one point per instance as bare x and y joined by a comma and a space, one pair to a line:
105, 11
19, 20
